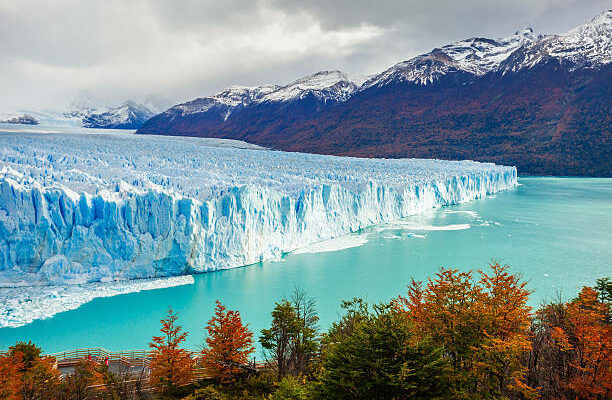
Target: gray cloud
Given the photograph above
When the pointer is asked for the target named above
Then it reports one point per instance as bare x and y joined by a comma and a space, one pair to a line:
54, 51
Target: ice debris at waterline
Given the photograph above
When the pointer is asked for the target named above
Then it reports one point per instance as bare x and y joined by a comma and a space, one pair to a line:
22, 305
77, 208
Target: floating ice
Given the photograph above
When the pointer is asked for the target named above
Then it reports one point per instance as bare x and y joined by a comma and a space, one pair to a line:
335, 244
20, 306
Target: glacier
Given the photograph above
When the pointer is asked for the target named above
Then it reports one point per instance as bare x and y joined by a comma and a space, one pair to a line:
89, 207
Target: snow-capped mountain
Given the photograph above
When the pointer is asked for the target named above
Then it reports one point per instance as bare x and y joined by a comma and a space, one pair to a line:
304, 96
324, 86
474, 56
224, 102
129, 115
24, 119
541, 102
588, 45
87, 114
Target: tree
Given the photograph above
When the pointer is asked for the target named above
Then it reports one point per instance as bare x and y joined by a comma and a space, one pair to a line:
482, 325
171, 366
10, 376
279, 340
381, 357
77, 385
307, 342
292, 340
603, 288
356, 311
229, 344
37, 375
572, 348
590, 337
41, 380
29, 353
507, 319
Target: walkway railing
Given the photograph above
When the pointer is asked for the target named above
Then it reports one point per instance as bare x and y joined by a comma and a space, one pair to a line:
136, 362
137, 358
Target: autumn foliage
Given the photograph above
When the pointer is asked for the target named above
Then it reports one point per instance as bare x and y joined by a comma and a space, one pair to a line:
171, 366
482, 321
229, 344
10, 376
460, 335
572, 352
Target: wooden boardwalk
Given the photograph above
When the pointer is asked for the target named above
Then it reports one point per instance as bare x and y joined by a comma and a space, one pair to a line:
133, 365
133, 362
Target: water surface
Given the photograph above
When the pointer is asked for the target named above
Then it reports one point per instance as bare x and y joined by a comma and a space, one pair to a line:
556, 232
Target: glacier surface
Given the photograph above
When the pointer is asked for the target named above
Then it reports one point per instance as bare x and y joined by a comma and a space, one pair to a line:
79, 208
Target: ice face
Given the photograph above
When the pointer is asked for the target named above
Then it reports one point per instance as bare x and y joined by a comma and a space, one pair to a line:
81, 207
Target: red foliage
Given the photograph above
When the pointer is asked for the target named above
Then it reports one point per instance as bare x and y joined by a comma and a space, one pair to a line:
482, 326
10, 377
229, 344
591, 339
171, 366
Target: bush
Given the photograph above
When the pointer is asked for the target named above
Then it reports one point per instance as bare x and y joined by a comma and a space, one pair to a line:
290, 388
377, 355
207, 393
29, 353
262, 383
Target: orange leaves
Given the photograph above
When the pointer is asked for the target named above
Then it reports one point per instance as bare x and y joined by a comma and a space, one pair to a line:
560, 338
591, 340
229, 344
482, 324
171, 366
572, 355
10, 376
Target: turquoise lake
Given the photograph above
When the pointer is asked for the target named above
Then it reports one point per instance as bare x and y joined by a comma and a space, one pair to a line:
555, 232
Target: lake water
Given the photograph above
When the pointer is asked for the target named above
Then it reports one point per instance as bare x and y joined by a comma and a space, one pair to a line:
556, 232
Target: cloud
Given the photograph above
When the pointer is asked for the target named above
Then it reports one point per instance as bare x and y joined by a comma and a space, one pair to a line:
54, 51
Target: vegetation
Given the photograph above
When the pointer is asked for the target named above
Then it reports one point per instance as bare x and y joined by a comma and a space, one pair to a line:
291, 343
378, 355
171, 366
459, 335
230, 344
483, 325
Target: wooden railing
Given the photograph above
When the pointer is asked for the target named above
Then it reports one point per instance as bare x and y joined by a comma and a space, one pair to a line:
137, 358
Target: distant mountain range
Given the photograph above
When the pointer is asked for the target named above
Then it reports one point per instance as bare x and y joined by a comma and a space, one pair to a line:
24, 119
540, 102
129, 115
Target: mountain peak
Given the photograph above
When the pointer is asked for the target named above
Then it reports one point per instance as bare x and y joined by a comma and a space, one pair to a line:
604, 17
587, 45
527, 31
475, 55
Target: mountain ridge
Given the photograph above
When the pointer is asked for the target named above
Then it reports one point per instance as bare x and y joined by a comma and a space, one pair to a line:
518, 100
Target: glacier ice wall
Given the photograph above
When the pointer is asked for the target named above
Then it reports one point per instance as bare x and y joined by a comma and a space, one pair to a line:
78, 208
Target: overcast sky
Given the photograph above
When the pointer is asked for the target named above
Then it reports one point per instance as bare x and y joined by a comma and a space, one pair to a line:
53, 52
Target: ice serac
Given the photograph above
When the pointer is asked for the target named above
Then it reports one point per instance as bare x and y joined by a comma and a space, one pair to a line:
80, 208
